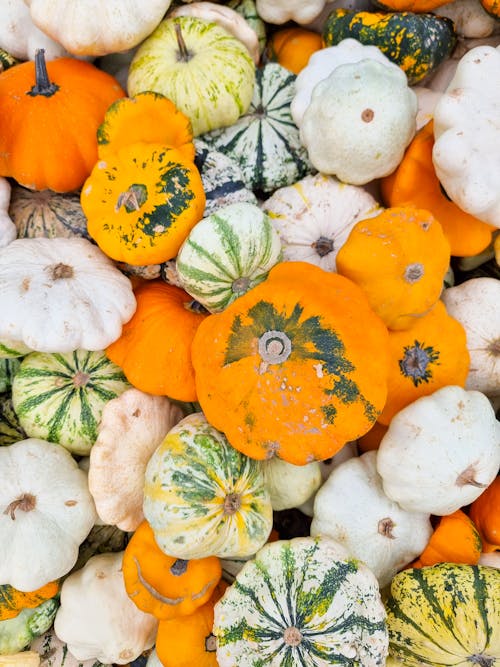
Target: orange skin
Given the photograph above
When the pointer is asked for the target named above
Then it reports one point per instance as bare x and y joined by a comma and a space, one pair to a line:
292, 47
485, 512
13, 601
455, 540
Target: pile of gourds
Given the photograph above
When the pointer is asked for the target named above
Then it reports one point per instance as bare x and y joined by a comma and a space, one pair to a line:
249, 264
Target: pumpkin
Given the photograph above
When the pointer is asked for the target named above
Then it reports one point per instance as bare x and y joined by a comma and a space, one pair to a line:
415, 182
371, 440
148, 117
492, 7
315, 215
130, 429
8, 230
8, 368
17, 633
290, 485
10, 429
163, 585
204, 498
200, 66
12, 601
292, 47
54, 109
6, 59
311, 382
418, 43
430, 355
60, 295
248, 10
154, 349
22, 659
471, 20
264, 141
20, 37
43, 486
226, 254
60, 397
447, 613
485, 515
455, 539
416, 6
281, 11
301, 601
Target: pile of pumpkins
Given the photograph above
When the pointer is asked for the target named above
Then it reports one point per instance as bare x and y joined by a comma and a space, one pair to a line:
249, 265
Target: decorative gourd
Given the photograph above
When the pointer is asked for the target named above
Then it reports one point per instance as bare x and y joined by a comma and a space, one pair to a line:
6, 59
102, 539
52, 652
359, 121
417, 6
470, 18
226, 254
484, 512
492, 7
42, 484
12, 601
60, 397
372, 439
54, 108
418, 43
311, 382
204, 498
149, 117
455, 540
94, 29
248, 10
430, 355
22, 659
445, 614
163, 585
292, 47
315, 215
131, 428
265, 141
97, 619
16, 633
491, 559
154, 354
142, 201
200, 66
10, 429
60, 295
352, 508
8, 368
8, 230
441, 451
474, 303
282, 11
302, 601
290, 485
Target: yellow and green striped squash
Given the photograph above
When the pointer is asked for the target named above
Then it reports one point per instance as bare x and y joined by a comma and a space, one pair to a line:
10, 429
444, 615
60, 397
204, 498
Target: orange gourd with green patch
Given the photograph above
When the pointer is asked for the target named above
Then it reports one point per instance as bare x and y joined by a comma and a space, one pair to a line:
13, 601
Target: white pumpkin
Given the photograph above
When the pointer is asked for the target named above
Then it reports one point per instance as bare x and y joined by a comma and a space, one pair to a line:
46, 511
441, 451
8, 231
59, 295
290, 485
469, 18
352, 508
97, 619
281, 11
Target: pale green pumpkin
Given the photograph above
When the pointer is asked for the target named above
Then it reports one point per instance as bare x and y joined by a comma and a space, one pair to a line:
60, 397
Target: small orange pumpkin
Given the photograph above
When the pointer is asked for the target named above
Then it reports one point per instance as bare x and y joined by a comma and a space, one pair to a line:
485, 512
154, 349
455, 540
13, 601
292, 47
162, 585
492, 7
415, 6
50, 115
414, 182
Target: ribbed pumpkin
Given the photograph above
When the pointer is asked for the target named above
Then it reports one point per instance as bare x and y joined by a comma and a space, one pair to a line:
485, 512
142, 201
447, 614
295, 367
292, 47
455, 540
12, 601
51, 113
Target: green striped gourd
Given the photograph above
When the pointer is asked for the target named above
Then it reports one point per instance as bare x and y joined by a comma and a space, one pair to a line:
265, 141
447, 614
60, 397
226, 254
6, 60
9, 349
55, 653
8, 368
248, 10
10, 428
301, 602
17, 633
204, 498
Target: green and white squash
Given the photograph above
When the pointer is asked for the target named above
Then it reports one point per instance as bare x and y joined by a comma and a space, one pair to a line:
60, 397
265, 141
17, 633
8, 368
10, 349
301, 602
10, 428
7, 60
290, 485
55, 653
226, 254
248, 10
204, 498
447, 614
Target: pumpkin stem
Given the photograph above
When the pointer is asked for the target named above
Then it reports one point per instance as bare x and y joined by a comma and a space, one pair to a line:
240, 285
467, 478
179, 567
494, 348
184, 54
292, 636
323, 246
385, 527
414, 272
26, 503
232, 503
59, 271
482, 660
274, 347
367, 115
210, 643
80, 379
43, 85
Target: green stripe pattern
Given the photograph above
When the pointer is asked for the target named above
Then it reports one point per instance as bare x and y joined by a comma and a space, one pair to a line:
60, 397
10, 428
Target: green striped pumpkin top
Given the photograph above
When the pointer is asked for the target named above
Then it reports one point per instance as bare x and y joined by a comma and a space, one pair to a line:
10, 428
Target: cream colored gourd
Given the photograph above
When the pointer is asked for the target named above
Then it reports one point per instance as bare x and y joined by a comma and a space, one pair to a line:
469, 18
440, 452
59, 295
290, 485
46, 511
281, 11
8, 231
131, 428
352, 508
97, 619
23, 659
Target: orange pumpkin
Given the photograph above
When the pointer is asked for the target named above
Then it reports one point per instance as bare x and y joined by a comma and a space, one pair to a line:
492, 7
415, 183
372, 439
292, 47
455, 540
162, 585
13, 601
399, 258
295, 367
50, 115
485, 512
154, 349
430, 355
415, 6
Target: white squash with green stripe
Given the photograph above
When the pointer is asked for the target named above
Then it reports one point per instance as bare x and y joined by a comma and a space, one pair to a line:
60, 397
226, 254
10, 428
248, 10
16, 633
204, 498
10, 349
301, 603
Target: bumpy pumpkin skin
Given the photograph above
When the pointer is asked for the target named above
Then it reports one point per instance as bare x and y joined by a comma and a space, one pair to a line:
285, 368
